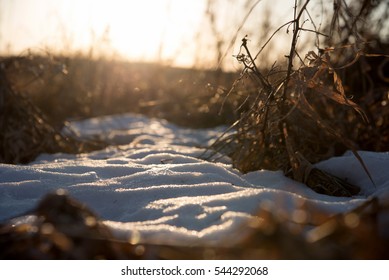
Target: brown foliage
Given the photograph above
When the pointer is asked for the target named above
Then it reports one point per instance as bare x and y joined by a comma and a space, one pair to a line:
293, 118
25, 131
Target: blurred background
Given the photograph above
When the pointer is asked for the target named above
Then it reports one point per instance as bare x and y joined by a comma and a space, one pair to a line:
190, 33
79, 59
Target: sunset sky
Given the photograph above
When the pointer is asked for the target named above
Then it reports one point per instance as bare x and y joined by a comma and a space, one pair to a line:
135, 29
177, 32
173, 31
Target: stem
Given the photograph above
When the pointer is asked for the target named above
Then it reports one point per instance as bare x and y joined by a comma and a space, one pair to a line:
296, 29
255, 69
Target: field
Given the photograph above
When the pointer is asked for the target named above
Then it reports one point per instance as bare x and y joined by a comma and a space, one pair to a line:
310, 137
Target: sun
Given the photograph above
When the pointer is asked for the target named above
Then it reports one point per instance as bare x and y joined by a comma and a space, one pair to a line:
146, 30
136, 27
138, 30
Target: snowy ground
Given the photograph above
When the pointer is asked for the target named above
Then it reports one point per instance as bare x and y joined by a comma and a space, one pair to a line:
152, 185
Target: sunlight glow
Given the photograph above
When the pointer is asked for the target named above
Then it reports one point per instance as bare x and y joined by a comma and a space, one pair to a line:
146, 30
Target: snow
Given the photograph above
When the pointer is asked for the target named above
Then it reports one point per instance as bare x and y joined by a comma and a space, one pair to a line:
153, 185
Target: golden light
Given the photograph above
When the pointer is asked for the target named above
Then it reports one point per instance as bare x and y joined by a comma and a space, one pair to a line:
147, 30
136, 29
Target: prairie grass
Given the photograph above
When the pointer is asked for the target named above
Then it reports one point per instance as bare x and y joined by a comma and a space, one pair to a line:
308, 109
79, 87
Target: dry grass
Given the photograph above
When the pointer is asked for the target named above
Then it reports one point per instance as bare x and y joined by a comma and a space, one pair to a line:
292, 117
80, 87
25, 130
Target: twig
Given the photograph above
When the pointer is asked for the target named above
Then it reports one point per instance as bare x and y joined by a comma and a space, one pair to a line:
255, 69
296, 29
